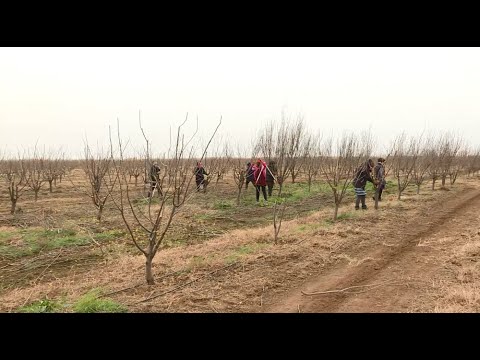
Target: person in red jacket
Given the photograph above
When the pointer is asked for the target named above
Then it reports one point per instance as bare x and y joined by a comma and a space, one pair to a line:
260, 176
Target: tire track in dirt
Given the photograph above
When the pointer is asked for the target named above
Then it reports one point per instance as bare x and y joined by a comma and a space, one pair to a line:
392, 266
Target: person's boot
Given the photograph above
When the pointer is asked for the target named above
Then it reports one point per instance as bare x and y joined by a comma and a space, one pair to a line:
364, 206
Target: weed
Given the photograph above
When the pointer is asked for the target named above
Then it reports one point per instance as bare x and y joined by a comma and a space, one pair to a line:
91, 303
42, 306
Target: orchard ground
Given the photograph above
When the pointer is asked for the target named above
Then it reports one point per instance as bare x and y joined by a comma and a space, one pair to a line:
417, 254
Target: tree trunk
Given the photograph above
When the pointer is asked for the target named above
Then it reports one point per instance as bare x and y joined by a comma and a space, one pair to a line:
99, 214
50, 185
399, 189
335, 214
433, 183
280, 186
418, 189
444, 177
238, 195
12, 209
136, 180
309, 184
36, 194
148, 270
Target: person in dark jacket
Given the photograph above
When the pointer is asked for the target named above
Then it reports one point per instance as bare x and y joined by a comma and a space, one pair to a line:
362, 175
261, 179
250, 177
271, 174
379, 176
154, 179
199, 176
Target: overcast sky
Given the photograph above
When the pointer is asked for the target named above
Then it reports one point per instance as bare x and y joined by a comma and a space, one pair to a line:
57, 96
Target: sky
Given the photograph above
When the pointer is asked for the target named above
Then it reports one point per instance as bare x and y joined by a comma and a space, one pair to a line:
61, 97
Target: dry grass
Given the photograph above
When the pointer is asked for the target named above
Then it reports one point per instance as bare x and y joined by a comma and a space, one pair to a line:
462, 293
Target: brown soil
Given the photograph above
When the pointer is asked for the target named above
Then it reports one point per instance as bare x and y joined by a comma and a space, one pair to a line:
405, 263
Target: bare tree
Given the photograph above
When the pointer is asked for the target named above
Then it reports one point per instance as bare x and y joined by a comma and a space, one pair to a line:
35, 168
99, 185
135, 168
473, 162
311, 156
148, 227
296, 136
278, 214
16, 177
54, 168
423, 163
338, 163
449, 145
239, 170
219, 162
282, 143
404, 157
458, 164
435, 158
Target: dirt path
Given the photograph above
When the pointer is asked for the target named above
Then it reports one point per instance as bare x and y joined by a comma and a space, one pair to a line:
404, 263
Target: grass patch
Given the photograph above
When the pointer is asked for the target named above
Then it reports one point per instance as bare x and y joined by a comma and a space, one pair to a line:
223, 204
243, 250
202, 217
346, 216
6, 235
341, 217
42, 306
91, 303
31, 241
110, 235
310, 227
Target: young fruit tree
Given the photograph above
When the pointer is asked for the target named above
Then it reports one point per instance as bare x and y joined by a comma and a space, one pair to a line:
99, 184
404, 157
16, 177
338, 162
147, 224
239, 170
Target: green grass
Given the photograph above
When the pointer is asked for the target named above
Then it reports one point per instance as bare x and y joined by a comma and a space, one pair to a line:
91, 303
340, 217
42, 306
346, 216
291, 193
201, 217
223, 204
109, 235
34, 240
243, 250
310, 227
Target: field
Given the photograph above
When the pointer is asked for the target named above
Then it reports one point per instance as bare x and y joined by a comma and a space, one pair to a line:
417, 254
